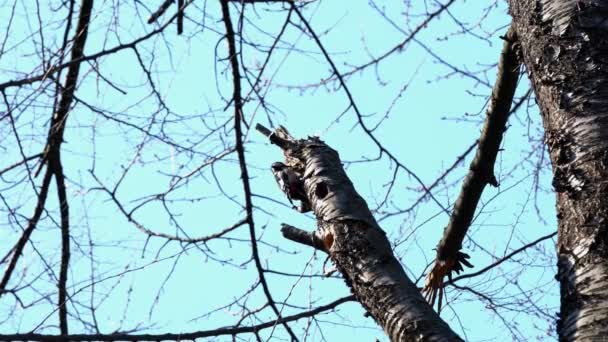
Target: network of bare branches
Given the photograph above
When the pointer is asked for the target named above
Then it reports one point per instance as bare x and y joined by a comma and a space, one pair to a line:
137, 203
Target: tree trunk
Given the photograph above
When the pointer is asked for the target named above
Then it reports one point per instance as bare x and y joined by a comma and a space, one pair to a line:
565, 49
356, 243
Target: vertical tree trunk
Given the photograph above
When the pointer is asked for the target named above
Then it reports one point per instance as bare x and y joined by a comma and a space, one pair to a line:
565, 50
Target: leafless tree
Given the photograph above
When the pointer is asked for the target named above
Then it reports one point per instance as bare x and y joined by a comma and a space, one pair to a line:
131, 188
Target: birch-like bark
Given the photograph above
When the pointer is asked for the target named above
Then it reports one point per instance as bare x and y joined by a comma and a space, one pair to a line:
358, 246
565, 49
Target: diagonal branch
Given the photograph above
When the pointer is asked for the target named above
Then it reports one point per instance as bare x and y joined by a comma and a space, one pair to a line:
503, 259
238, 118
52, 153
160, 11
358, 246
19, 163
18, 249
481, 171
50, 71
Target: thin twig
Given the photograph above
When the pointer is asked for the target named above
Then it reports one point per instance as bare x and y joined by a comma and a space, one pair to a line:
227, 331
354, 106
238, 118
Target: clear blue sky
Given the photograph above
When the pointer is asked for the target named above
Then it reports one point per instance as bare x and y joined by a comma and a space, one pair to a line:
426, 129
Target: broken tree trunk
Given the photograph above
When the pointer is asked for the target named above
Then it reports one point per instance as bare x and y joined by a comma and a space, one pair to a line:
356, 244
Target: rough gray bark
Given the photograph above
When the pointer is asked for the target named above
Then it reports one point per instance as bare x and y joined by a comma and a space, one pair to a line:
565, 49
357, 245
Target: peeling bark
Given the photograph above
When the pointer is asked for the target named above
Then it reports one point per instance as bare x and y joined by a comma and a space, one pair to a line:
357, 245
564, 45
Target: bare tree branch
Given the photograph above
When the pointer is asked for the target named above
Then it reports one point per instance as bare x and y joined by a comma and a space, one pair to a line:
25, 236
503, 259
54, 69
354, 106
481, 172
312, 239
160, 11
138, 154
19, 163
238, 117
53, 156
230, 331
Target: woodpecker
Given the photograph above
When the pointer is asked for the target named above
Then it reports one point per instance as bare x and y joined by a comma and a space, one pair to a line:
291, 184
